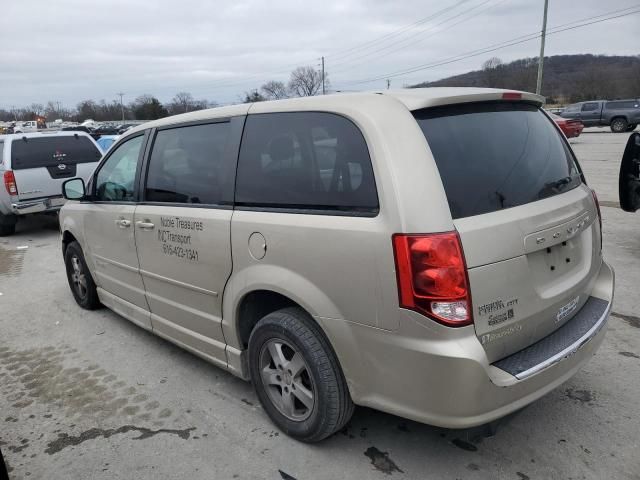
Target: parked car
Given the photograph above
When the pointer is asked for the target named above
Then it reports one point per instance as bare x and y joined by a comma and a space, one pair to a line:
82, 128
124, 127
105, 142
620, 115
22, 127
354, 249
106, 130
570, 127
33, 167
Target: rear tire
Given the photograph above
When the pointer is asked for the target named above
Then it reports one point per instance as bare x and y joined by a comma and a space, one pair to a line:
296, 375
80, 281
619, 125
632, 127
7, 225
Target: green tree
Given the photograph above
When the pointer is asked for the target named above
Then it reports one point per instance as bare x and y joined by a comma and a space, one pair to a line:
148, 107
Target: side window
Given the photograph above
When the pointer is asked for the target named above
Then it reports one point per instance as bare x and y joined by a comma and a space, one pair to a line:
187, 165
305, 160
621, 105
589, 107
115, 181
1, 152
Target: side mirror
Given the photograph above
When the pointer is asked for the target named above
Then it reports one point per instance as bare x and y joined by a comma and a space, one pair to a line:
74, 189
629, 181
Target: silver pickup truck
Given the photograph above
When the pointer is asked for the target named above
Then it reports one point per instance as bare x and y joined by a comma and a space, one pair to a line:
621, 115
33, 167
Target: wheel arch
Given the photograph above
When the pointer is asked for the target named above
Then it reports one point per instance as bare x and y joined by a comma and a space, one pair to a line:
278, 287
67, 238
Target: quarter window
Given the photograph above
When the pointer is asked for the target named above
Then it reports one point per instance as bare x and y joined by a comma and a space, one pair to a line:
115, 181
305, 160
187, 165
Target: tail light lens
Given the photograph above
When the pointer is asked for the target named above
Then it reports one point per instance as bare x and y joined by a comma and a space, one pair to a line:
10, 183
512, 96
595, 199
432, 277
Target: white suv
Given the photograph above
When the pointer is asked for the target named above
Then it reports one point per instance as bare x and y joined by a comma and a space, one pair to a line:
33, 167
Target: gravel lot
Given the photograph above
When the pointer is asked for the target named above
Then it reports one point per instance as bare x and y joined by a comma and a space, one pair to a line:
88, 395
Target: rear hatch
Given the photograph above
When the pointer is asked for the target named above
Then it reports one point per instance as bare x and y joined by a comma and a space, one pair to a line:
528, 223
42, 163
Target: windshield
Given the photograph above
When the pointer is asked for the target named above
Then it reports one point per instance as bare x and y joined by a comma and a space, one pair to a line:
497, 155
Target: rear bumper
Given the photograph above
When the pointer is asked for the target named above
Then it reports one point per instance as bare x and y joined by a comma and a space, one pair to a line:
442, 377
49, 204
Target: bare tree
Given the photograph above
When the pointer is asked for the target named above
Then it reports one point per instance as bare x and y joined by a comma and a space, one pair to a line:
306, 81
492, 72
252, 96
36, 108
274, 90
182, 102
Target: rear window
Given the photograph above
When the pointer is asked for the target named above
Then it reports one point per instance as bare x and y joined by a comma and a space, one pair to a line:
493, 156
30, 152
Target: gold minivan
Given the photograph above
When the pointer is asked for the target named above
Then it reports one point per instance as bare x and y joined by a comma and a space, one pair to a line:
432, 253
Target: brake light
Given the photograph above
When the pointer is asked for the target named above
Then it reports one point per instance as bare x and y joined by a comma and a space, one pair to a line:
595, 199
512, 96
10, 183
432, 277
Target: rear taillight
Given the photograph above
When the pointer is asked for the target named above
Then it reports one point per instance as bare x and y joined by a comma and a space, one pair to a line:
10, 183
595, 199
432, 277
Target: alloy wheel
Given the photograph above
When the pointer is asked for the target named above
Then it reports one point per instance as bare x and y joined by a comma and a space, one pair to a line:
78, 277
286, 379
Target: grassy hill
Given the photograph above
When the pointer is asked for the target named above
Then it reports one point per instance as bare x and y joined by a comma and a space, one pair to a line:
567, 78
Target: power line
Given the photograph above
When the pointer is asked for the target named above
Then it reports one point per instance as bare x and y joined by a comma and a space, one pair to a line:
404, 44
507, 43
368, 44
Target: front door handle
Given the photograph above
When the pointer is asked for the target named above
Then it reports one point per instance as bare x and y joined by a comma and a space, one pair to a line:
123, 223
146, 225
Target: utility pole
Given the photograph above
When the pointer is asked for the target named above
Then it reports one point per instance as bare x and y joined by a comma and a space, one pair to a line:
121, 94
323, 90
541, 57
388, 83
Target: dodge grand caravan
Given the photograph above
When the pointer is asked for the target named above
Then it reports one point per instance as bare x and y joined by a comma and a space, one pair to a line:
431, 253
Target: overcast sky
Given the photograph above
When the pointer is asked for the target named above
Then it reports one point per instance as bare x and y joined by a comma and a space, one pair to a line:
70, 50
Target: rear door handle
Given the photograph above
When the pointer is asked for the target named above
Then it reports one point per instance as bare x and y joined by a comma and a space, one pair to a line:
123, 223
146, 225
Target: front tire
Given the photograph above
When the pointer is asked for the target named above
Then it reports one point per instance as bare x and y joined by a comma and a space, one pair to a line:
80, 280
619, 125
632, 127
297, 377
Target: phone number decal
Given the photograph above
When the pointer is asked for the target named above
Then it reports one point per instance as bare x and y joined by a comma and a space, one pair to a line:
180, 252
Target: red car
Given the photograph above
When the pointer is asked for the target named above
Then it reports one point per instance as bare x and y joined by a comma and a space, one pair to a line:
570, 128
